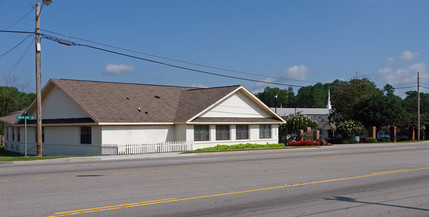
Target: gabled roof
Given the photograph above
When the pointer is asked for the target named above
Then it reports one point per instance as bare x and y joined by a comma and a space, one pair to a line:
113, 103
11, 118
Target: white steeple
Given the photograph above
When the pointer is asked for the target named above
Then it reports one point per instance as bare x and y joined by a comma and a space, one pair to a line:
329, 106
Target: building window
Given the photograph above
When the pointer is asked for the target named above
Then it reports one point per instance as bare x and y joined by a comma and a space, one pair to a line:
19, 134
7, 134
222, 132
201, 132
242, 132
85, 135
13, 134
265, 131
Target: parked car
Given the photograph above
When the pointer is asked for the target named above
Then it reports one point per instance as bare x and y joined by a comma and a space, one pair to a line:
383, 136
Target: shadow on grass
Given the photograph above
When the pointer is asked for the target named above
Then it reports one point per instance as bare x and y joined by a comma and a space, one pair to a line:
11, 156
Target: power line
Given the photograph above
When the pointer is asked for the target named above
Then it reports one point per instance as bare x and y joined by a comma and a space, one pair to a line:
15, 31
398, 88
69, 43
14, 46
19, 20
172, 59
14, 5
13, 67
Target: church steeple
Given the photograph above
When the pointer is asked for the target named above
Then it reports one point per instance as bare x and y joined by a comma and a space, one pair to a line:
329, 106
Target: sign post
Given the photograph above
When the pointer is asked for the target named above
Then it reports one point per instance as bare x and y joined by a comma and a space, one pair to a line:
25, 117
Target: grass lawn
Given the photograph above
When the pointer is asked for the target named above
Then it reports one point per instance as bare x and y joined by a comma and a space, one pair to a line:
252, 149
10, 156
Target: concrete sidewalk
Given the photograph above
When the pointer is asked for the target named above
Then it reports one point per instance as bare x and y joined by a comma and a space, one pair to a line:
101, 158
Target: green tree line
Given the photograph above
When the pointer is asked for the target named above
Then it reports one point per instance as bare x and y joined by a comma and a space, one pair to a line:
12, 100
358, 99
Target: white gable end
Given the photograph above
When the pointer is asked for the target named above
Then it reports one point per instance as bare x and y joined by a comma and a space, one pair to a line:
58, 105
236, 105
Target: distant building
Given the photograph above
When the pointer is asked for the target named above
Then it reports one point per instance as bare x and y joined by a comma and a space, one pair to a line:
321, 115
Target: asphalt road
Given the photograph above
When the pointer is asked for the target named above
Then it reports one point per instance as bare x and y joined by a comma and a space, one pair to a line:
344, 180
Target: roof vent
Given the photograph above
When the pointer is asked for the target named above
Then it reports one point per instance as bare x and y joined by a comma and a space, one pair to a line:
158, 97
140, 109
146, 112
128, 98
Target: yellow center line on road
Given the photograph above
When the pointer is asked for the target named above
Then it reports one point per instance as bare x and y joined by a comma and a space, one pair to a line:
169, 200
369, 155
208, 166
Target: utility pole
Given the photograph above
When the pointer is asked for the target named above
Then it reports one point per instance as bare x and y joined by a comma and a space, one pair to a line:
38, 85
418, 107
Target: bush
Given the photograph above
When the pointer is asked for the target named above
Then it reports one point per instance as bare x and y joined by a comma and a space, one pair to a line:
240, 146
322, 141
303, 143
349, 141
371, 140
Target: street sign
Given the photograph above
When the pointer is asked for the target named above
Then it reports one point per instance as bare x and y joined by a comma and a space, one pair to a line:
24, 117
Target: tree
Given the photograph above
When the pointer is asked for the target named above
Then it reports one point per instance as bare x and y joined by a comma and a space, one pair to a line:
380, 110
347, 94
297, 122
285, 98
410, 105
12, 100
350, 128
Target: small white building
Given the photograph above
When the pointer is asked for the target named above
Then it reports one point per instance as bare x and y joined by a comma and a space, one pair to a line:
321, 115
81, 117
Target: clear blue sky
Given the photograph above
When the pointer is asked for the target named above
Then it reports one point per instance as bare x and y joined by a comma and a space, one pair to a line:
313, 41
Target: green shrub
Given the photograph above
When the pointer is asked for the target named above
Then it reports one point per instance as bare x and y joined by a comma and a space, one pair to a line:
350, 141
241, 146
371, 140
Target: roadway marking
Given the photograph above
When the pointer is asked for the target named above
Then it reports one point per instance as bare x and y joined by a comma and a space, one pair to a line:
169, 200
191, 167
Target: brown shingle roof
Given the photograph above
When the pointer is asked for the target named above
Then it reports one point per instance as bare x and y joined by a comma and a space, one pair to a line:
11, 118
195, 101
109, 102
120, 102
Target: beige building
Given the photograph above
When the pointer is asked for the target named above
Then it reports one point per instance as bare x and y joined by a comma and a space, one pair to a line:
80, 117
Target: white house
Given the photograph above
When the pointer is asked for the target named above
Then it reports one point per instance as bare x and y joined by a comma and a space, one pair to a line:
81, 117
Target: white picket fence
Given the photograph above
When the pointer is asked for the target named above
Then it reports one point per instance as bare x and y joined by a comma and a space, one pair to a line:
147, 148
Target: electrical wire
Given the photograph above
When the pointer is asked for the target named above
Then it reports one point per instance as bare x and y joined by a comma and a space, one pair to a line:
10, 26
398, 88
15, 46
70, 43
13, 67
172, 59
15, 31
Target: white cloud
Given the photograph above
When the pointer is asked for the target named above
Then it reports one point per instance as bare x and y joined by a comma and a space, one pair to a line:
118, 69
258, 84
409, 55
255, 91
390, 60
403, 75
199, 85
296, 72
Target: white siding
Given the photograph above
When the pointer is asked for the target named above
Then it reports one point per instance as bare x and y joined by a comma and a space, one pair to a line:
237, 105
58, 105
253, 137
58, 141
137, 134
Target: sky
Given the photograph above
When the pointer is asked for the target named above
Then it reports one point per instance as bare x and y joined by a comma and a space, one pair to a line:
287, 42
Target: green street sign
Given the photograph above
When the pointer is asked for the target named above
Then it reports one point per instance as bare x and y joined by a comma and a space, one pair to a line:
24, 117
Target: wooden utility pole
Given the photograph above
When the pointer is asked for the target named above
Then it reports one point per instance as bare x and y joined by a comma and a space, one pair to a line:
38, 85
418, 107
